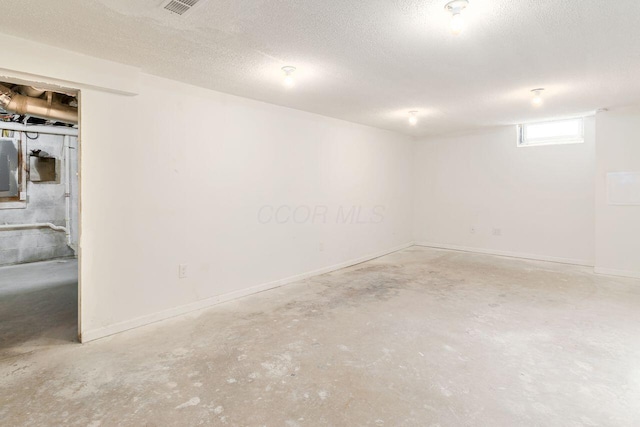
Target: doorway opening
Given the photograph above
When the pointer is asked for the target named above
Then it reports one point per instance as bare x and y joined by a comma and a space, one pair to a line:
39, 215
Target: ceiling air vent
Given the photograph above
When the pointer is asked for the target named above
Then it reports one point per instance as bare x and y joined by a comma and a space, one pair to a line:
180, 7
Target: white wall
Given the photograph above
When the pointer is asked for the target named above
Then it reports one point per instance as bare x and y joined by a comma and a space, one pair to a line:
541, 198
174, 174
34, 61
179, 174
617, 227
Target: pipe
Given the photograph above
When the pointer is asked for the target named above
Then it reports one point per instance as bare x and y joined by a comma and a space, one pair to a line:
67, 190
35, 225
31, 91
43, 108
51, 130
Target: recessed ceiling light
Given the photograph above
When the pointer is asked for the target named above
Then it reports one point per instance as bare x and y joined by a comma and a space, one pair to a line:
288, 71
413, 118
456, 7
537, 96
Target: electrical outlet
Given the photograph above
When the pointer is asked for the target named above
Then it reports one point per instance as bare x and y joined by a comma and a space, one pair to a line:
182, 271
497, 232
321, 247
472, 230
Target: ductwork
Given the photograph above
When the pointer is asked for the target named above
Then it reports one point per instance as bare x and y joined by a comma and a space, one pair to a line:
44, 108
30, 91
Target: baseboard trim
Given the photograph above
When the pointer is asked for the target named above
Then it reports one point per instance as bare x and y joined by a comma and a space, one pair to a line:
126, 325
508, 254
618, 273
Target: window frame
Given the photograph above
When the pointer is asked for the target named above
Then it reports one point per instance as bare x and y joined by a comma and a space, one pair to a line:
555, 140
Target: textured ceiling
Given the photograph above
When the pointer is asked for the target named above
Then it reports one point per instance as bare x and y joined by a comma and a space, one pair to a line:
368, 61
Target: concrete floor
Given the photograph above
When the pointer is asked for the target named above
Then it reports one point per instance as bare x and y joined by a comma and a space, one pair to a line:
38, 306
421, 337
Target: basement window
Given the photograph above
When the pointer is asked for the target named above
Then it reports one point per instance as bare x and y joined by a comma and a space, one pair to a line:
569, 131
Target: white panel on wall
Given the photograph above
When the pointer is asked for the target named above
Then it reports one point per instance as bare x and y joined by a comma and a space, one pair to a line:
623, 188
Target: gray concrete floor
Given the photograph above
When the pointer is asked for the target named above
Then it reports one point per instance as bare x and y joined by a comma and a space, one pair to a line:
421, 337
38, 306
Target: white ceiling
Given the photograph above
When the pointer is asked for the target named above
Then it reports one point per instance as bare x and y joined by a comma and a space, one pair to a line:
368, 61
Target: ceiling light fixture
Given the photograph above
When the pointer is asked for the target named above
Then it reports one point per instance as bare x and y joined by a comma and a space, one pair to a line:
289, 81
456, 7
537, 96
413, 118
